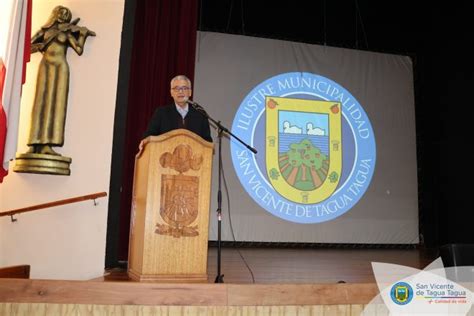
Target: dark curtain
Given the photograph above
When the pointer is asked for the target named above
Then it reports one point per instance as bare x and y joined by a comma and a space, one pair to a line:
164, 46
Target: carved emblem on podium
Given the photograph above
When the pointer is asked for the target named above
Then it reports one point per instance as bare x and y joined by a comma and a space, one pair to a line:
181, 160
179, 194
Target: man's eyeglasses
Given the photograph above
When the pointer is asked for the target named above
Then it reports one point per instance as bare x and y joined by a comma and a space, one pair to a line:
183, 89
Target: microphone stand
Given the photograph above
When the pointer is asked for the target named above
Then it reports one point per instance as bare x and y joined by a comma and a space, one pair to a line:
220, 131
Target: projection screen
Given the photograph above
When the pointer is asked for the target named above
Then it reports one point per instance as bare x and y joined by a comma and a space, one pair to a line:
335, 133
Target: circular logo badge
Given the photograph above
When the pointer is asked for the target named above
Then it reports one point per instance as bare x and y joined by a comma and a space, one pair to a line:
401, 293
316, 147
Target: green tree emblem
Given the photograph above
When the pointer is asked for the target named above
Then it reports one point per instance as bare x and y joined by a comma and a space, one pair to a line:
304, 166
274, 174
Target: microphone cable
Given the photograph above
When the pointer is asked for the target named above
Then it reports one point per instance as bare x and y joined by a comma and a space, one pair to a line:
230, 222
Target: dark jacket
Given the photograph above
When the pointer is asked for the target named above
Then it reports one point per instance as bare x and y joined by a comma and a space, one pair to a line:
167, 118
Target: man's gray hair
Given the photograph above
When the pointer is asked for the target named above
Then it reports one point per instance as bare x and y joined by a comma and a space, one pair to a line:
182, 77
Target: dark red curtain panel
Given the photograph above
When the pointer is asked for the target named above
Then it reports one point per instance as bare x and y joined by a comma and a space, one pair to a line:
164, 46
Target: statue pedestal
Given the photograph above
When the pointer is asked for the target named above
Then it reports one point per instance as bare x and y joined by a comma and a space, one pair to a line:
43, 164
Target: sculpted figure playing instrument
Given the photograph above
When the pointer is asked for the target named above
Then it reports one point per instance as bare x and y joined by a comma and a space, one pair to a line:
48, 116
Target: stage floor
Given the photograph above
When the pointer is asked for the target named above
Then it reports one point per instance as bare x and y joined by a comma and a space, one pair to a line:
302, 265
286, 282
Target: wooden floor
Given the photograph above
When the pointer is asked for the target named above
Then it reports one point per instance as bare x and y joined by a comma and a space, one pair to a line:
321, 266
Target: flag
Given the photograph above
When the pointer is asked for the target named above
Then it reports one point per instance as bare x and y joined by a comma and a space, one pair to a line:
3, 120
14, 54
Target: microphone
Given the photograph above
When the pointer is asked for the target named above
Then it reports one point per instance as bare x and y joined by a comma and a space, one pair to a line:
189, 101
195, 105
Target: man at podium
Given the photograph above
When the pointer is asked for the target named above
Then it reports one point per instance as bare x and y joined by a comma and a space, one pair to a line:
179, 114
171, 194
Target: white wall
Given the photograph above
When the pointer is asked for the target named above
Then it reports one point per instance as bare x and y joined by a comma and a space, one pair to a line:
68, 242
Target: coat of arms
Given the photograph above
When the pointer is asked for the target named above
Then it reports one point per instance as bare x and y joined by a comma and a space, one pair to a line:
179, 193
303, 148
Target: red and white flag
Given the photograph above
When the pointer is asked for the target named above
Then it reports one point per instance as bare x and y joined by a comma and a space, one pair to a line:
15, 31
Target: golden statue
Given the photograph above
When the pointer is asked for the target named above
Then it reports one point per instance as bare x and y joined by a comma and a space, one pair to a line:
48, 117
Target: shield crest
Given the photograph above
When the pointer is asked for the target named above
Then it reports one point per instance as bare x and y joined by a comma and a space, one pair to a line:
401, 293
303, 148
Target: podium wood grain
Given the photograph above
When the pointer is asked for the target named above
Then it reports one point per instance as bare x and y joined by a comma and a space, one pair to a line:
170, 208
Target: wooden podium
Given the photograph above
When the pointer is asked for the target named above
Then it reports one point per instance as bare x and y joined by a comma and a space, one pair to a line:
170, 208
